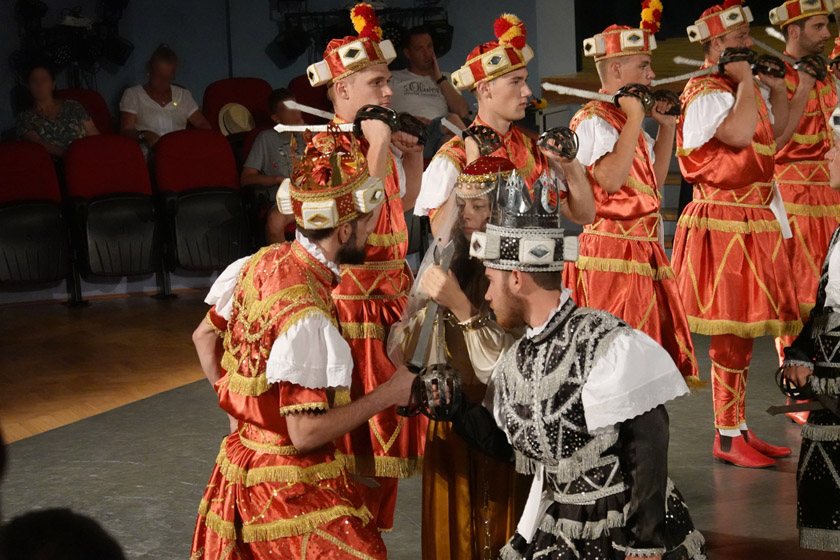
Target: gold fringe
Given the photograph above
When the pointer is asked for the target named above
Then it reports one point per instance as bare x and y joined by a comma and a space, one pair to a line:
267, 447
246, 386
637, 185
387, 239
772, 327
695, 383
282, 473
363, 330
729, 226
388, 467
624, 267
820, 211
304, 407
341, 397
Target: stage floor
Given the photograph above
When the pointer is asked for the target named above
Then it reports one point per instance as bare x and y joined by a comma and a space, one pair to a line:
110, 416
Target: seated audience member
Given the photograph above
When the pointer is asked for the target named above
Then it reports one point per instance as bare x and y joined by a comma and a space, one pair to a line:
57, 534
51, 122
158, 107
425, 92
271, 159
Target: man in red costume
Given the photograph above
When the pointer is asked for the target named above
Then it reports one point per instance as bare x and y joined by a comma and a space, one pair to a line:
372, 295
280, 489
735, 283
622, 267
813, 208
496, 73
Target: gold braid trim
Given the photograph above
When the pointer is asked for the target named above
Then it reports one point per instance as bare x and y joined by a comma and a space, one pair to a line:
772, 327
764, 149
304, 407
207, 318
344, 547
389, 467
197, 554
637, 185
281, 473
267, 448
300, 525
363, 330
809, 139
624, 267
387, 239
729, 226
816, 211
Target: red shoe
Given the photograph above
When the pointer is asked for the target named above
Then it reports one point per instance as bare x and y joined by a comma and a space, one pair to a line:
799, 417
763, 447
739, 452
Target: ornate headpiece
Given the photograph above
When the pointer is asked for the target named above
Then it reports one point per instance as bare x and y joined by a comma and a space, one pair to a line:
719, 20
330, 185
524, 232
795, 10
351, 54
489, 61
621, 40
483, 176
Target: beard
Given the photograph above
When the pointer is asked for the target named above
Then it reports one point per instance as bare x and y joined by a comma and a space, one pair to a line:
509, 310
349, 253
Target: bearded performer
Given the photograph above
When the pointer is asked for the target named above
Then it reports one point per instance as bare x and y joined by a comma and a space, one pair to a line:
580, 403
735, 283
622, 266
372, 294
812, 206
471, 501
280, 488
496, 73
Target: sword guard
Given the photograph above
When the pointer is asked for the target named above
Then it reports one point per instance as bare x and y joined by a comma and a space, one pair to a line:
566, 141
670, 97
735, 54
435, 393
639, 91
789, 389
815, 65
376, 112
770, 65
414, 126
487, 139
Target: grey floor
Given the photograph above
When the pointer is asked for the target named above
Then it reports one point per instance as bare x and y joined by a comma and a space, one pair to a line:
141, 470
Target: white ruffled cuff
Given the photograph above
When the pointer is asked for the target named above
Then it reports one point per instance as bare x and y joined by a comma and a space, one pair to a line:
221, 292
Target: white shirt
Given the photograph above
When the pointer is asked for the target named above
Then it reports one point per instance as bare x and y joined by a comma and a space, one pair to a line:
707, 112
151, 116
597, 137
417, 95
312, 352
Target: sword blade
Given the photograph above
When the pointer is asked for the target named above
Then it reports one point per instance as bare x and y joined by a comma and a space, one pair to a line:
310, 110
418, 358
798, 407
344, 127
575, 92
770, 50
681, 77
687, 61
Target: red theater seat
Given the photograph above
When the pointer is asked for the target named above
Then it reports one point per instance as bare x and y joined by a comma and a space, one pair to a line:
33, 237
94, 104
251, 92
197, 179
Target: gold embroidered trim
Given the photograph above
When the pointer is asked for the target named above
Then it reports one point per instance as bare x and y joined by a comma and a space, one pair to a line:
389, 467
235, 474
764, 149
267, 447
809, 139
363, 330
396, 264
624, 267
303, 407
816, 211
300, 525
387, 239
729, 226
341, 397
208, 319
197, 554
772, 327
344, 547
637, 185
618, 235
727, 203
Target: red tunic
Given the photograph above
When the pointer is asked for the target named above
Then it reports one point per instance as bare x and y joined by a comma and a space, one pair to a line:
733, 276
812, 206
370, 298
622, 267
265, 499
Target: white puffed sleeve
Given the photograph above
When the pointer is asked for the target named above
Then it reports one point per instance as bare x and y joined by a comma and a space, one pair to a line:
703, 117
596, 138
485, 345
438, 181
221, 292
635, 375
765, 95
398, 164
311, 353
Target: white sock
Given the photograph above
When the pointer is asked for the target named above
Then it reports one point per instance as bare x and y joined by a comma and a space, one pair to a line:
730, 433
743, 427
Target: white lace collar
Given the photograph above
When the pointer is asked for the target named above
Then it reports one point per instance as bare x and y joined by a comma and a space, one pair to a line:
534, 331
317, 254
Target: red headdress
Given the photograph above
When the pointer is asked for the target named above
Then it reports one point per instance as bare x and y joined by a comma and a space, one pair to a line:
489, 61
622, 40
719, 20
795, 10
351, 54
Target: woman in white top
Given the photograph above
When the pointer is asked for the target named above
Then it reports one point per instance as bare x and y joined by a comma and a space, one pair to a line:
158, 107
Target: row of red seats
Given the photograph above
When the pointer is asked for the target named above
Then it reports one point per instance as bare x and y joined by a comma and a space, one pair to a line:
112, 222
251, 92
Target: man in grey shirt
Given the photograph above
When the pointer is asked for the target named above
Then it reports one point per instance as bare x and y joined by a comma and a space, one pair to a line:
271, 160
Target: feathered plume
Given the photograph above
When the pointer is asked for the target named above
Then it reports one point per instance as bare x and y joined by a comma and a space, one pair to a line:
510, 30
365, 22
651, 14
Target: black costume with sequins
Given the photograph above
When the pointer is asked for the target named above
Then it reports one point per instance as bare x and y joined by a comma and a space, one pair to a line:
818, 479
608, 492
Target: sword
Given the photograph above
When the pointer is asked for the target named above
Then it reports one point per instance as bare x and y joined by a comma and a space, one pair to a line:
310, 110
688, 61
765, 47
821, 402
343, 127
682, 77
579, 93
775, 33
